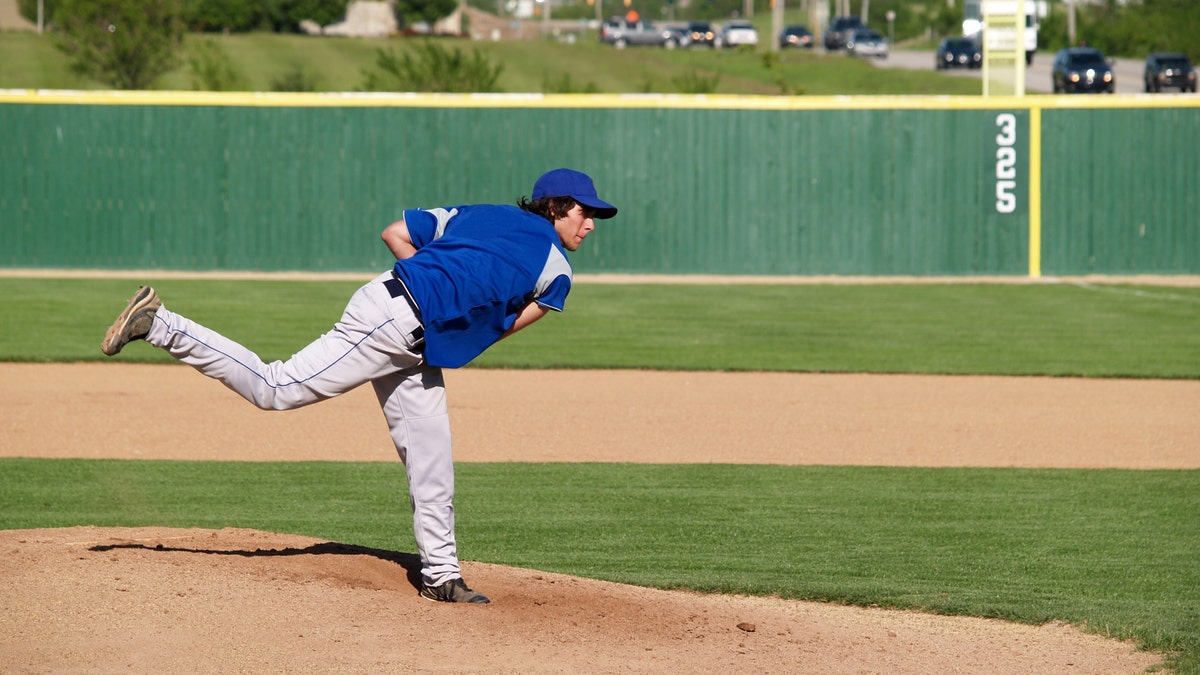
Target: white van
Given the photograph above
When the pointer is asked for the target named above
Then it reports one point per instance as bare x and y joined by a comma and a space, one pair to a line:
974, 24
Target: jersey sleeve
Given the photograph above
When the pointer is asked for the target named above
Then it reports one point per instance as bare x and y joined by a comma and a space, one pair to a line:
555, 294
554, 282
425, 225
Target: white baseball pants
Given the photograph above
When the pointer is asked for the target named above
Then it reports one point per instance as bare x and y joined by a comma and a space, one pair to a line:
373, 342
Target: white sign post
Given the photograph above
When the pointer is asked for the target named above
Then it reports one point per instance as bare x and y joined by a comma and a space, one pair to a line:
1004, 36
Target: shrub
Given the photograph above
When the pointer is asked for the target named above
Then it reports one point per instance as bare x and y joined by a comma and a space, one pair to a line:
564, 84
297, 78
212, 69
429, 67
692, 82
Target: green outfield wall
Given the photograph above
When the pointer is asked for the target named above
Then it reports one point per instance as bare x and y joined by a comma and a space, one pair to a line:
715, 185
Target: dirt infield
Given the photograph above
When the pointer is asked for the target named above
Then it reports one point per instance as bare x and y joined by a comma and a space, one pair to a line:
92, 599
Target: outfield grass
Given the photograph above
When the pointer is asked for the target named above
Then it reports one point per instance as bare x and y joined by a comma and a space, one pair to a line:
1113, 551
30, 61
997, 329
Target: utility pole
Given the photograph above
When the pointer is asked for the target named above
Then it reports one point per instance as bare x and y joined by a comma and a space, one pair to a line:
776, 23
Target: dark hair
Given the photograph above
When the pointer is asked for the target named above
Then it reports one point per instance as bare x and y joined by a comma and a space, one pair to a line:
550, 208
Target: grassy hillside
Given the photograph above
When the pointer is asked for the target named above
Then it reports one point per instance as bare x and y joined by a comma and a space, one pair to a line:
30, 61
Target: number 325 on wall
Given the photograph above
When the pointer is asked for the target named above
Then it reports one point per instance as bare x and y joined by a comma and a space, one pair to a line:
1006, 163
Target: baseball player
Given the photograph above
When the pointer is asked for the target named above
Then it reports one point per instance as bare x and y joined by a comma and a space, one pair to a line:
464, 278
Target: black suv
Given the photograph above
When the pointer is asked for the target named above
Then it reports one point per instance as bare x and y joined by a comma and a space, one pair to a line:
840, 29
795, 36
958, 53
1169, 70
1081, 69
699, 34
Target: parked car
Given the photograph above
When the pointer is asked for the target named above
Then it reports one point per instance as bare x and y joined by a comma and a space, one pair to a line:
699, 34
1081, 69
1169, 70
796, 36
958, 53
737, 33
866, 42
840, 30
621, 33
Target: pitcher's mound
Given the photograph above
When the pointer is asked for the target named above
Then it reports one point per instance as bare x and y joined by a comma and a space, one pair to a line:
190, 600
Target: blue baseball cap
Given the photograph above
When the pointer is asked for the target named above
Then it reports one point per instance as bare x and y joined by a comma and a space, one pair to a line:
574, 184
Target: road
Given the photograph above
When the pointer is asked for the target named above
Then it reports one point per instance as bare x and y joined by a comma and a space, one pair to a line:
1037, 76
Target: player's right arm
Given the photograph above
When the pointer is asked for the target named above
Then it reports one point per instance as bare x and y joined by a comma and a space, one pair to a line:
527, 315
398, 240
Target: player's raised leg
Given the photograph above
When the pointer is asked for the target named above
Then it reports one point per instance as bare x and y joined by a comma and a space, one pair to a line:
364, 344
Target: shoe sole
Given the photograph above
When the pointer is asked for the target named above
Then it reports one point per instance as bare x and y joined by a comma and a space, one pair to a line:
433, 598
451, 602
115, 338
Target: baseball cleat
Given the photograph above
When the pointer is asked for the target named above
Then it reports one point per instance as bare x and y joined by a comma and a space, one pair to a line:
454, 590
134, 323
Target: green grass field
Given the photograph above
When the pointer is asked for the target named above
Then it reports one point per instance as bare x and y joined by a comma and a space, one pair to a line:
30, 61
1113, 551
995, 329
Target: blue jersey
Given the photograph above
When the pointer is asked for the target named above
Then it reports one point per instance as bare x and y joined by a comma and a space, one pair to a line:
475, 267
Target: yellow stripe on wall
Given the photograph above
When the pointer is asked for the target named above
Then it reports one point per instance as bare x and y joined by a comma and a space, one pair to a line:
633, 101
1035, 192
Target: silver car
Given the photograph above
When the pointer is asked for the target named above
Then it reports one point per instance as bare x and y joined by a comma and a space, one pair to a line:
866, 42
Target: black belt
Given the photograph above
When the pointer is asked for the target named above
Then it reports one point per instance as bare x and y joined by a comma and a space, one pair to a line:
396, 288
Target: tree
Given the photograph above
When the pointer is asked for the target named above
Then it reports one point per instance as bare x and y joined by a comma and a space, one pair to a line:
234, 16
429, 11
123, 43
29, 9
285, 15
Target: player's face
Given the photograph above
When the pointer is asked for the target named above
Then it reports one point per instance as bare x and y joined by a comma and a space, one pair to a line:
575, 226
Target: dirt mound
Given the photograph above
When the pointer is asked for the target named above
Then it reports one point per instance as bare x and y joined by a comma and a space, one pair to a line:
169, 600
172, 600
